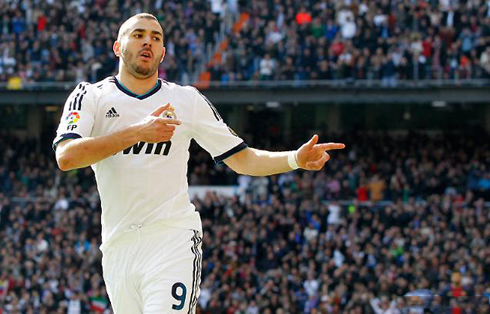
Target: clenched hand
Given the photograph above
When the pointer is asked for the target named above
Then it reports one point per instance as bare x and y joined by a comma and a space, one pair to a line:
155, 129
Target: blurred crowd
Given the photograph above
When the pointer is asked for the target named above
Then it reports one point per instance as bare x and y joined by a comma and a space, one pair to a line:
49, 41
391, 223
359, 40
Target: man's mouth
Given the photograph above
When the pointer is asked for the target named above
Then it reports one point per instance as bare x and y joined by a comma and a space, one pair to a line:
146, 55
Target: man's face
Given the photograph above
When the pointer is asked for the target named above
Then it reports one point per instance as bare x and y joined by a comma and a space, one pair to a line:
456, 279
141, 47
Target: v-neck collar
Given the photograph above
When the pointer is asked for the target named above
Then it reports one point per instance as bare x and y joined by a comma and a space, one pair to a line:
123, 89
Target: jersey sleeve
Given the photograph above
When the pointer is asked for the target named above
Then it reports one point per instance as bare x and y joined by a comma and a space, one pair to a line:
78, 115
212, 133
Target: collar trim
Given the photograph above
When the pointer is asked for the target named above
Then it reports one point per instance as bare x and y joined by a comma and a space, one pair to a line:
123, 89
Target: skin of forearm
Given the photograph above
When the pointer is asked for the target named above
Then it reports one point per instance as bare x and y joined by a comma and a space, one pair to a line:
256, 162
83, 152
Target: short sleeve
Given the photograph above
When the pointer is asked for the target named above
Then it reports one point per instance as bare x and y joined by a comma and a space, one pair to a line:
212, 133
78, 115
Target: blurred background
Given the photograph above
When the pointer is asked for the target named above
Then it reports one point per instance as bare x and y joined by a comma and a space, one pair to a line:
398, 222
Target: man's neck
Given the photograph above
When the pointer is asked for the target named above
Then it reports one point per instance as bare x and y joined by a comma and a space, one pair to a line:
136, 85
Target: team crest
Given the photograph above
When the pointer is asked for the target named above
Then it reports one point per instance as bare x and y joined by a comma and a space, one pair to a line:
169, 113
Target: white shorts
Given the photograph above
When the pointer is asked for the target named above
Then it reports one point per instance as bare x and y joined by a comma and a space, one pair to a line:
154, 269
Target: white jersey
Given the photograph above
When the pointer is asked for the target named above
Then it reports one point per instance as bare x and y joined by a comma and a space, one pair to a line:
145, 183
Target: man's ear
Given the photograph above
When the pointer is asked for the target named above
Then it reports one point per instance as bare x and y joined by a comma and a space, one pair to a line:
117, 48
163, 54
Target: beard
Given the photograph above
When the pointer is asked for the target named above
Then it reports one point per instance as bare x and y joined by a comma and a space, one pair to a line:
139, 70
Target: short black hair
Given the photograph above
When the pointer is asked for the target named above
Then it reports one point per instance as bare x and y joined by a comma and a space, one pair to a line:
122, 30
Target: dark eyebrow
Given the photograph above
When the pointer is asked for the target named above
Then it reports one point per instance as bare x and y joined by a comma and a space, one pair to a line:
142, 30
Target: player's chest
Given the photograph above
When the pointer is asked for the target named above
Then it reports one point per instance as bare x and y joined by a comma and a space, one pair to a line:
114, 114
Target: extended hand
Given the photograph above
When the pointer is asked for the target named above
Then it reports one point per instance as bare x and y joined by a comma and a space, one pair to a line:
313, 156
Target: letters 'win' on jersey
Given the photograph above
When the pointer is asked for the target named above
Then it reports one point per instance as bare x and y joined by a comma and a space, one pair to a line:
145, 183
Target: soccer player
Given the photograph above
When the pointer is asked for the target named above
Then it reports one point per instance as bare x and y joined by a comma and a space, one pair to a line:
134, 130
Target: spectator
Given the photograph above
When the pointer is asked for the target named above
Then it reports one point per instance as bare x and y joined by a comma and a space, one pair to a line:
376, 188
334, 213
311, 286
348, 28
303, 16
384, 306
388, 71
484, 183
467, 41
267, 66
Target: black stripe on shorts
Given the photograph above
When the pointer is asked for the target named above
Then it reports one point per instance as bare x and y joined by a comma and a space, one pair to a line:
195, 267
199, 268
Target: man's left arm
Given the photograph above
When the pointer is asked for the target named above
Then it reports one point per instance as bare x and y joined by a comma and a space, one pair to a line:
255, 162
211, 133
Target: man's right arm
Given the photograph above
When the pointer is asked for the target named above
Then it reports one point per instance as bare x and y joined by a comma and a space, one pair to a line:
85, 151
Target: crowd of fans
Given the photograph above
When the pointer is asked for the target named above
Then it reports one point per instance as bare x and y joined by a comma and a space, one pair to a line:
49, 41
388, 218
359, 40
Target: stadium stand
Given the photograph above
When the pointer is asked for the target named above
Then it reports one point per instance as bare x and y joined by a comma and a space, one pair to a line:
269, 40
391, 215
358, 40
55, 41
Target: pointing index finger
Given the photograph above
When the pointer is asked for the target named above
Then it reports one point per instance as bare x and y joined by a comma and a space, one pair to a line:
330, 146
159, 110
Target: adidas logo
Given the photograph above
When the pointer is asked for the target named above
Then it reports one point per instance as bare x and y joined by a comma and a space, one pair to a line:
112, 113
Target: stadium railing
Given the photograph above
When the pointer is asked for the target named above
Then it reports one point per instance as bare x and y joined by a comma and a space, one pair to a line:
264, 84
